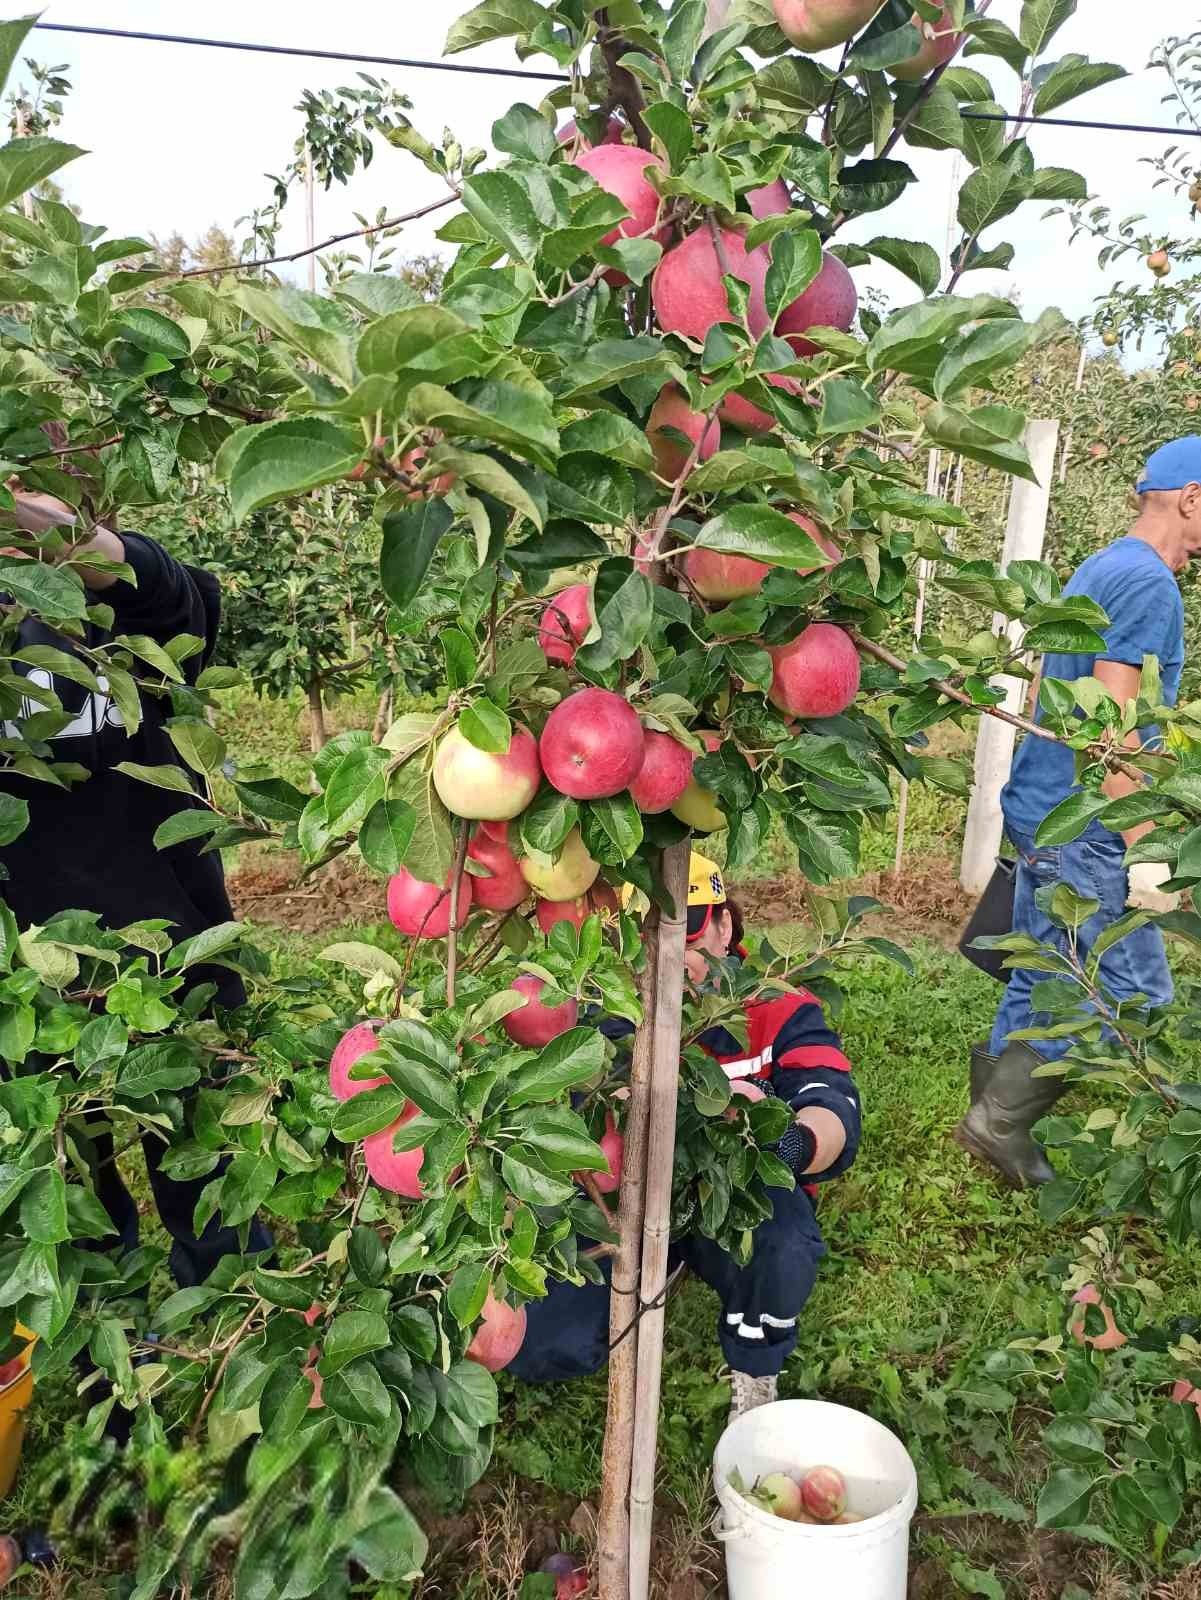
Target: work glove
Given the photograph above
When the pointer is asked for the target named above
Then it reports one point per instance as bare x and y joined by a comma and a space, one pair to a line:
1146, 891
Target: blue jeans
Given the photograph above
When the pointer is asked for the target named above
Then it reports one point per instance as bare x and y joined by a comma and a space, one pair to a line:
1092, 865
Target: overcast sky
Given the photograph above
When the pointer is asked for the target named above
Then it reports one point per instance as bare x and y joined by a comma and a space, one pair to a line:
181, 137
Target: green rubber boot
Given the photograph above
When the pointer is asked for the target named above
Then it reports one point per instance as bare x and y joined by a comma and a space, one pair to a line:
997, 1126
982, 1067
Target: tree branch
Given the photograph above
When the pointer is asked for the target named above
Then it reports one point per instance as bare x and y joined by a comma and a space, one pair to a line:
314, 249
624, 87
452, 938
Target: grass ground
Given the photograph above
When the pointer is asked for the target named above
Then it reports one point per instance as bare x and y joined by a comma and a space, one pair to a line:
930, 1264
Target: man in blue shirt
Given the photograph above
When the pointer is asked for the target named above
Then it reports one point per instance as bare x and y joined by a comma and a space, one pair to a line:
1135, 581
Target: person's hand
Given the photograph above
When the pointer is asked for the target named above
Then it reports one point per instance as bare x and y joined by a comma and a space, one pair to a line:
37, 513
1146, 892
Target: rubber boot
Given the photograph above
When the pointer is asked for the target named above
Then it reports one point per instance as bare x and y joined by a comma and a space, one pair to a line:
982, 1066
997, 1127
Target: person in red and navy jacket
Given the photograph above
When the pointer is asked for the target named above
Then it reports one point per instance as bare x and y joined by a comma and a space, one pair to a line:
793, 1054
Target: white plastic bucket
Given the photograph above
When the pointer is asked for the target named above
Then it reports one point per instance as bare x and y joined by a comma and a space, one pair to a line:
767, 1557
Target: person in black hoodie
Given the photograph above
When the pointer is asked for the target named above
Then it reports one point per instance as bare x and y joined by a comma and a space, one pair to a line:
91, 847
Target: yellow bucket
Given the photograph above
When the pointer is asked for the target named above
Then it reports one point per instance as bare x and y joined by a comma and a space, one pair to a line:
15, 1395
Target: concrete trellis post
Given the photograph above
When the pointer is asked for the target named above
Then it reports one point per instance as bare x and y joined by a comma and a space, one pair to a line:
1024, 537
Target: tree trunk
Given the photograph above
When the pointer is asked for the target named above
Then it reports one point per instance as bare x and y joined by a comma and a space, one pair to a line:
613, 1533
318, 737
656, 1229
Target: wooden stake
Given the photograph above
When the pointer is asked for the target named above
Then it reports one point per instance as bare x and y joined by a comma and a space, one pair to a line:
656, 1228
613, 1528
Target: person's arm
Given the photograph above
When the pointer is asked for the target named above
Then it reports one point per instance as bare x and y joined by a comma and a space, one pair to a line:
1146, 893
811, 1073
38, 513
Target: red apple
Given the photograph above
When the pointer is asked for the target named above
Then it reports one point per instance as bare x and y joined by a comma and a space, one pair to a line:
817, 675
505, 888
565, 876
1184, 1394
830, 301
746, 416
687, 289
537, 1024
422, 910
665, 773
481, 785
360, 1041
719, 577
671, 410
939, 44
773, 200
592, 745
613, 1143
499, 1336
820, 24
1111, 1337
566, 622
698, 806
742, 1088
599, 901
824, 1493
398, 1171
620, 169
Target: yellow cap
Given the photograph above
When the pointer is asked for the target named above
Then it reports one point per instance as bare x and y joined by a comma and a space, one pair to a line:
706, 886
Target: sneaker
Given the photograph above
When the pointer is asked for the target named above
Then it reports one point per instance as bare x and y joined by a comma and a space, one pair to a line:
748, 1394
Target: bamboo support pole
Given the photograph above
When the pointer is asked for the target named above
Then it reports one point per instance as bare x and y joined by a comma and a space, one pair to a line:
613, 1530
656, 1227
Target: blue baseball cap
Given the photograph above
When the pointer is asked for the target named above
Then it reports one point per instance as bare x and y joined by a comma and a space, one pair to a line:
1173, 466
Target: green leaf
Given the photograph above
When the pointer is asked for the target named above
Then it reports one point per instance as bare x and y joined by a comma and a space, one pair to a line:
14, 812
370, 1111
1148, 1496
271, 460
386, 835
796, 260
483, 473
410, 538
530, 1183
1041, 20
201, 746
624, 621
1065, 1498
467, 1292
154, 333
609, 362
762, 533
877, 51
357, 783
357, 1394
989, 194
848, 406
502, 206
988, 37
430, 847
546, 823
173, 778
1075, 1441
509, 416
12, 37
54, 594
976, 356
982, 435
621, 821
1064, 80
351, 1335
487, 727
1068, 820
916, 261
494, 19
321, 328
24, 163
44, 1208
564, 1064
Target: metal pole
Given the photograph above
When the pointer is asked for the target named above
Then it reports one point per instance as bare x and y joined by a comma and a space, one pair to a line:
1024, 538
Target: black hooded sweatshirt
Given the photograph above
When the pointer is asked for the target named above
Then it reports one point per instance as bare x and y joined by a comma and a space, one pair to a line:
91, 847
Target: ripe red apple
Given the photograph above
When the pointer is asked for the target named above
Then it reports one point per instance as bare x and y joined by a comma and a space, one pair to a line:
410, 462
367, 469
744, 1089
613, 1143
773, 200
480, 785
783, 1495
746, 416
620, 169
398, 1171
499, 1336
565, 624
1184, 1394
422, 910
569, 875
592, 745
1111, 1337
719, 577
359, 1041
506, 888
537, 1024
1160, 263
824, 1493
830, 301
599, 901
698, 806
939, 44
671, 410
819, 24
614, 134
665, 773
687, 289
817, 675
